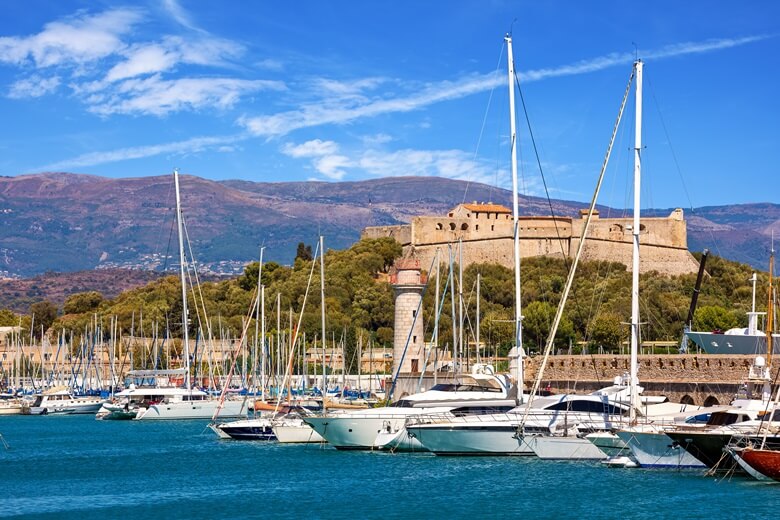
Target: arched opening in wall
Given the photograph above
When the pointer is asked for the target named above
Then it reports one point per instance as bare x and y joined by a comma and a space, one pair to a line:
452, 226
439, 226
641, 228
687, 399
711, 401
476, 227
464, 226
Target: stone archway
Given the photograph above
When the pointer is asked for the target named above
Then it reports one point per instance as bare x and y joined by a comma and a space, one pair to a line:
687, 399
711, 401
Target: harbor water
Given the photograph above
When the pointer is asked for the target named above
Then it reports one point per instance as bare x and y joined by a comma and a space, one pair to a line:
77, 467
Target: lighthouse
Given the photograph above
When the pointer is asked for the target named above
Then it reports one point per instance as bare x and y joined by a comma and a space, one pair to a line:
408, 285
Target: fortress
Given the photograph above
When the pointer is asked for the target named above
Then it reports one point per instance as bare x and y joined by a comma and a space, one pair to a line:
486, 233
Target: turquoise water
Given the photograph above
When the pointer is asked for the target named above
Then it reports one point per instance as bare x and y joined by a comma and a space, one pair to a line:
76, 467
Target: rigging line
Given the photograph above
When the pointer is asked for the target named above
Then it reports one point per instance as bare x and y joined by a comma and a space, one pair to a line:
677, 165
541, 170
484, 122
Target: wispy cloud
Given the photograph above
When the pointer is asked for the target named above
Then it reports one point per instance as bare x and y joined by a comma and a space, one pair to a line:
189, 146
179, 14
157, 96
76, 40
110, 76
328, 159
329, 111
34, 86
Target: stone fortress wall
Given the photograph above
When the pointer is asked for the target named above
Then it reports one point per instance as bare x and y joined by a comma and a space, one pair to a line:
486, 233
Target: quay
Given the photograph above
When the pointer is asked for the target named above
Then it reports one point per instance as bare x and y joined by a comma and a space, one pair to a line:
701, 379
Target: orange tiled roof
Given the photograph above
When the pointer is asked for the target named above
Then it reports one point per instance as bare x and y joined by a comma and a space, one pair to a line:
487, 208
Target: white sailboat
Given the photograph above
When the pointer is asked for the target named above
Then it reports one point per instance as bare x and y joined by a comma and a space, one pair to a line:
193, 403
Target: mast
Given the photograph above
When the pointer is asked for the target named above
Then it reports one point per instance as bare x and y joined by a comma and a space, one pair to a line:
635, 232
436, 324
322, 317
515, 218
184, 313
770, 310
476, 339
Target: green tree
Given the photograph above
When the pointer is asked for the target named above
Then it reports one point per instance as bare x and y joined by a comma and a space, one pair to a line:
8, 318
44, 314
82, 302
606, 330
304, 252
714, 317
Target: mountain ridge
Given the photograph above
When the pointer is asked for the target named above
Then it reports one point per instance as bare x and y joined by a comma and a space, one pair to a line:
73, 222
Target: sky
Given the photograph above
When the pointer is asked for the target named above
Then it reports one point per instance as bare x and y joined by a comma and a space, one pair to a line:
348, 91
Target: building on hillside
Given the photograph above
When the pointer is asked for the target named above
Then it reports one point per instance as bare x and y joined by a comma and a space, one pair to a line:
486, 233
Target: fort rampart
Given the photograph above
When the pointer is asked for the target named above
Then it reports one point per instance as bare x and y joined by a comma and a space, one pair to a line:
486, 232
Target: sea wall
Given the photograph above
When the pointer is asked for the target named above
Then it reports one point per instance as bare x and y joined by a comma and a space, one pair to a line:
691, 378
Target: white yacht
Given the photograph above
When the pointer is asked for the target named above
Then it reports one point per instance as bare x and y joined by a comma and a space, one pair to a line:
150, 395
481, 391
292, 429
10, 405
510, 433
60, 401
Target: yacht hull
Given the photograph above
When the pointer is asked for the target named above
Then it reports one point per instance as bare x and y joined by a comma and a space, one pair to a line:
564, 448
657, 450
760, 464
481, 439
192, 410
296, 434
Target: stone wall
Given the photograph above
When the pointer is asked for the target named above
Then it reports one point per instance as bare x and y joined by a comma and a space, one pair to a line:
487, 237
693, 378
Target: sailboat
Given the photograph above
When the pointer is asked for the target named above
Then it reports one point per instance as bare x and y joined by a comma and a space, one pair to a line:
186, 403
554, 422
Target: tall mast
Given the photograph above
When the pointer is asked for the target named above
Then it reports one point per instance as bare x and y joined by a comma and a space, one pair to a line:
635, 232
322, 317
515, 218
184, 313
770, 309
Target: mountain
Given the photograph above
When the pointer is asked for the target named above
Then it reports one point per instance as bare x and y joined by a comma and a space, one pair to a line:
70, 222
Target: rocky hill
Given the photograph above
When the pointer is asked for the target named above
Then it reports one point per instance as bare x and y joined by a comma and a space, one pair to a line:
68, 222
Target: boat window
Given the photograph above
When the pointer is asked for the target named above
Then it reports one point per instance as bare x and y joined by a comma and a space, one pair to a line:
444, 387
403, 403
698, 419
723, 419
587, 406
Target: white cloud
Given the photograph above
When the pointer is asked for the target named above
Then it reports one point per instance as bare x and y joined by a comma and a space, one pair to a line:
332, 166
157, 96
77, 40
376, 139
348, 88
34, 86
319, 114
143, 59
335, 110
178, 13
313, 148
194, 145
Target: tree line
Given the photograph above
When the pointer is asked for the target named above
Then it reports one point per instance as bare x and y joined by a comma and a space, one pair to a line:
359, 302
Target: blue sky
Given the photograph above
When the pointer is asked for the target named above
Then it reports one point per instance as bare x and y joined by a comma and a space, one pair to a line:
292, 91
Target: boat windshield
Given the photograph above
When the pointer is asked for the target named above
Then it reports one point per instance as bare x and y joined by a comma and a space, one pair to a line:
462, 387
726, 418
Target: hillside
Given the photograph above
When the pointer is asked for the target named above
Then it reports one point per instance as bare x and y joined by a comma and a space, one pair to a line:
68, 222
18, 295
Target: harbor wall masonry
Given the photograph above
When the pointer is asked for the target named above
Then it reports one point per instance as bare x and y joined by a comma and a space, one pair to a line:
691, 378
